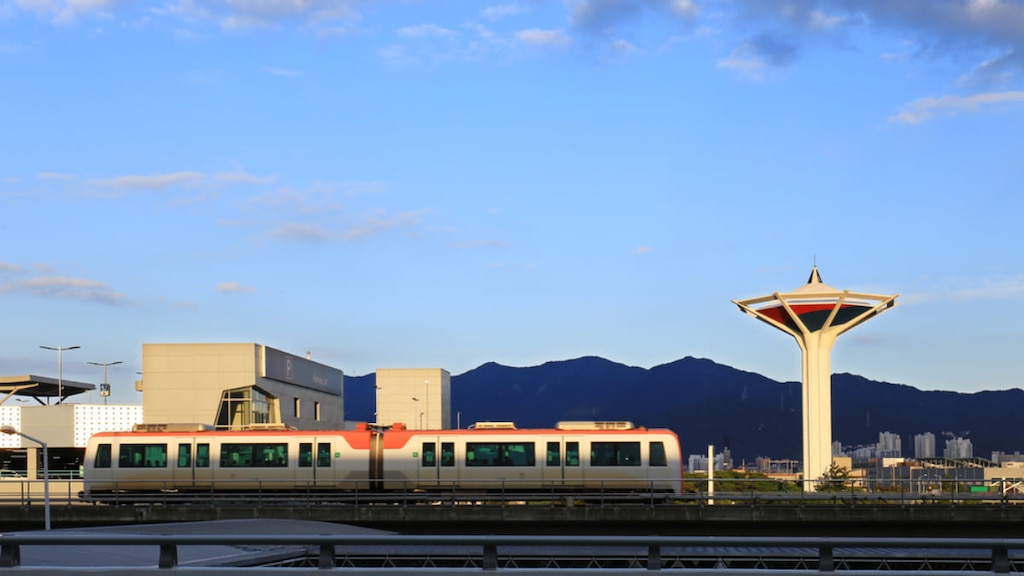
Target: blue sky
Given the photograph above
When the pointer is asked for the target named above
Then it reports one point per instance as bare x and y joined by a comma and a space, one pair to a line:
412, 183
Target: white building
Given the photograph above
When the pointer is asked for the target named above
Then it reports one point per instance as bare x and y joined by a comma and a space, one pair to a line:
924, 445
889, 445
958, 448
419, 398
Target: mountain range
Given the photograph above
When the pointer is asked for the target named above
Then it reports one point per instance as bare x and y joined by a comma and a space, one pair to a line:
709, 403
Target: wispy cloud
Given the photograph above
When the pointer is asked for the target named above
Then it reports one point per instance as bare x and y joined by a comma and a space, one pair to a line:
754, 56
927, 108
425, 31
998, 289
5, 267
473, 244
243, 178
643, 250
234, 287
540, 37
301, 232
55, 176
64, 287
502, 11
153, 182
380, 223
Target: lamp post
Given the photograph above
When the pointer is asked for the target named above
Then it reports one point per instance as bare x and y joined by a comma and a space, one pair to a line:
46, 470
415, 410
105, 388
60, 368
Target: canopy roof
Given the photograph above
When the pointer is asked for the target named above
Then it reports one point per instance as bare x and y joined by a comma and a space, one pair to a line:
39, 387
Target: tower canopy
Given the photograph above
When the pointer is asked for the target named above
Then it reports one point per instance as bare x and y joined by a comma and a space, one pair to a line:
816, 304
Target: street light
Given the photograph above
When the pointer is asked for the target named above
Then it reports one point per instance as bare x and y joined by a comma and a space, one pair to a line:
46, 469
60, 369
415, 410
105, 388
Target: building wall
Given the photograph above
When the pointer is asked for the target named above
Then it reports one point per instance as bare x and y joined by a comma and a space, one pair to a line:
420, 398
184, 383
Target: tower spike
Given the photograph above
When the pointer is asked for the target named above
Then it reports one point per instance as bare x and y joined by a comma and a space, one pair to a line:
815, 277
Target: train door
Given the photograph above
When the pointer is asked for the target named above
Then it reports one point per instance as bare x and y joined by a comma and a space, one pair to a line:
572, 475
202, 470
183, 470
570, 472
306, 469
447, 469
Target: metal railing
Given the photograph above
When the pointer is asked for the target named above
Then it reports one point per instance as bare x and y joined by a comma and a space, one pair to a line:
498, 553
25, 492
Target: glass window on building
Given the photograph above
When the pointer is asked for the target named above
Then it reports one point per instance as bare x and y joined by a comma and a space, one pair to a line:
241, 408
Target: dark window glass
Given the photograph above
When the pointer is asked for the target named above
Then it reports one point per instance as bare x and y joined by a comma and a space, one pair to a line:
202, 455
142, 456
102, 456
554, 454
614, 453
572, 453
429, 454
500, 454
184, 456
658, 454
305, 454
323, 455
447, 454
254, 455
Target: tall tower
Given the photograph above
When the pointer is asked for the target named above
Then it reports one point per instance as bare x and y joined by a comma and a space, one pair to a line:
815, 314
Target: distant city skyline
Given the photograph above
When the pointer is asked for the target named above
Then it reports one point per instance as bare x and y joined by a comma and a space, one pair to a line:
396, 185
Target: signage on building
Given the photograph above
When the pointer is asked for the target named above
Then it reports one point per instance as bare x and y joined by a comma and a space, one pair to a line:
285, 367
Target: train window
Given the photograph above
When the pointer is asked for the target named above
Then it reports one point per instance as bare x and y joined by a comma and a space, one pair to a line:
102, 456
572, 453
614, 453
254, 455
142, 456
447, 454
184, 456
202, 455
323, 455
305, 454
658, 454
500, 454
554, 454
429, 449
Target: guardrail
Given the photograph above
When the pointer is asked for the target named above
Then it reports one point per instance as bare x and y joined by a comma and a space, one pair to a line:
828, 551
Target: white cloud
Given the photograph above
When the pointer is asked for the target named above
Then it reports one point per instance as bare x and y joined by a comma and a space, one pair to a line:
502, 11
643, 250
283, 72
539, 37
927, 108
64, 287
234, 287
425, 31
5, 267
301, 232
243, 178
153, 182
376, 224
55, 176
471, 244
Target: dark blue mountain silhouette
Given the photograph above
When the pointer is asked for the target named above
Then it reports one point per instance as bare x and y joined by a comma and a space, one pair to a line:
709, 403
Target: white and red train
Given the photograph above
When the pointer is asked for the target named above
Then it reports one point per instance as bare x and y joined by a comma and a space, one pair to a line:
581, 456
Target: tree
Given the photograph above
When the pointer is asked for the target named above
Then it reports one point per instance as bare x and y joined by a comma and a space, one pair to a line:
836, 479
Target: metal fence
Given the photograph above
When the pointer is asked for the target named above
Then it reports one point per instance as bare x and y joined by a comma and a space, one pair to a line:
511, 553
